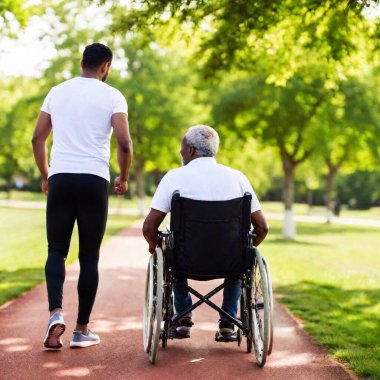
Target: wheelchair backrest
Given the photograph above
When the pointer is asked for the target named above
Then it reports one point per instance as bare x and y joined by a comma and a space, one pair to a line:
210, 237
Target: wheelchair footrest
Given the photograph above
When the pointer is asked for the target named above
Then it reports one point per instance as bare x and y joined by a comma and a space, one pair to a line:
226, 339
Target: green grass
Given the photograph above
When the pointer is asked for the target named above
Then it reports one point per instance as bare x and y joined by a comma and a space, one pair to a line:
114, 201
23, 248
303, 209
269, 207
330, 278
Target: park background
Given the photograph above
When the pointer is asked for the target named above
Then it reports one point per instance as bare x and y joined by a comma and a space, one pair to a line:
292, 89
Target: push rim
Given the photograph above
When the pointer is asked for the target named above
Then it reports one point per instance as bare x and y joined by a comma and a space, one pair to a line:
260, 310
157, 303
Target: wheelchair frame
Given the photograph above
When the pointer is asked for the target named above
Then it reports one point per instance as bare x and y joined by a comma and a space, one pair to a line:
256, 303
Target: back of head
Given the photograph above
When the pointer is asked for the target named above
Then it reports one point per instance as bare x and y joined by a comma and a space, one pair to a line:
95, 55
204, 139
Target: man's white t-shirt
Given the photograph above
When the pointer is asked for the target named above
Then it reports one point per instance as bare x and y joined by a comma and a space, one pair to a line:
203, 179
81, 111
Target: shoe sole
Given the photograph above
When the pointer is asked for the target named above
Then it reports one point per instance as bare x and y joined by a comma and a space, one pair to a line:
83, 344
52, 338
220, 337
183, 330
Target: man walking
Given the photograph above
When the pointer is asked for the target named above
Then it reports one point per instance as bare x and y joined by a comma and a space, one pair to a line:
81, 112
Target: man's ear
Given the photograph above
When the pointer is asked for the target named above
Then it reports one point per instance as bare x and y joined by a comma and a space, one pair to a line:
106, 67
192, 151
81, 64
103, 67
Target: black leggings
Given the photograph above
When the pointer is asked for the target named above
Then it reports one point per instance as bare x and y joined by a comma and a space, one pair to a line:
84, 198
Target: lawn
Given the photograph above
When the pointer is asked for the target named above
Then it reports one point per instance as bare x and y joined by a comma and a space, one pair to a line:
269, 207
330, 278
23, 248
114, 201
303, 209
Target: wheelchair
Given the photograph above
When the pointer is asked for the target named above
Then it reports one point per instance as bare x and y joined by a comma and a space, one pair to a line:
209, 240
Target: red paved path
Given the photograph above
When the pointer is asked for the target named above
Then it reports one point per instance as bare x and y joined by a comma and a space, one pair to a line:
117, 319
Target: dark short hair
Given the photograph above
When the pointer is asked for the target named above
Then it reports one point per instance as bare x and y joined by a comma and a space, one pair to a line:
95, 55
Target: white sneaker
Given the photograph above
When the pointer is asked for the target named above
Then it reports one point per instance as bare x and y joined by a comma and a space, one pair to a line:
56, 327
83, 340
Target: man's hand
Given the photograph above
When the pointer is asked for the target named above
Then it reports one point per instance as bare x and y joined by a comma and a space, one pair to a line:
124, 150
152, 246
45, 186
120, 186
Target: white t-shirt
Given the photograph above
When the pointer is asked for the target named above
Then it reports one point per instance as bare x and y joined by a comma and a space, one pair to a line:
81, 111
203, 179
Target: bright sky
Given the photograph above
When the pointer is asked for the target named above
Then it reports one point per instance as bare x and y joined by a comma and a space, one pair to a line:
29, 55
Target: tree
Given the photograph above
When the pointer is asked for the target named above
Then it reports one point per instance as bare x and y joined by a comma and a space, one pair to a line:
279, 116
11, 10
232, 26
345, 121
15, 135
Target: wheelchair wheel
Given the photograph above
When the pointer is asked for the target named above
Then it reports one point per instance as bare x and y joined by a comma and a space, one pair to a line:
271, 306
153, 305
260, 310
239, 337
167, 315
148, 307
246, 315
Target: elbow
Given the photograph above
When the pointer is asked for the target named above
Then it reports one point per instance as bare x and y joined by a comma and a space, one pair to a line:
126, 146
262, 230
34, 140
37, 140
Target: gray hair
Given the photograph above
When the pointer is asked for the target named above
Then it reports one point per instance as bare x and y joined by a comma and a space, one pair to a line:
204, 139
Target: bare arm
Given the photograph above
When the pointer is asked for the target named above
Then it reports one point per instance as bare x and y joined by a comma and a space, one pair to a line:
150, 228
124, 150
260, 225
40, 135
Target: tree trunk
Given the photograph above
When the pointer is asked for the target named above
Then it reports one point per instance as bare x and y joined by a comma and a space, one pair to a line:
140, 181
288, 195
329, 202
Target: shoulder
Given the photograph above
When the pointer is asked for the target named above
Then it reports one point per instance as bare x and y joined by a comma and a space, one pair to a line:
231, 171
62, 87
112, 90
235, 175
173, 174
66, 83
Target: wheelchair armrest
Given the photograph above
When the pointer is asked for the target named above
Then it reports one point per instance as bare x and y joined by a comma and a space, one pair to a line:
252, 234
167, 237
164, 234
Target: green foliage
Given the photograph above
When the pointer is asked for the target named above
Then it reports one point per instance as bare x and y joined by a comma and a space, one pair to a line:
233, 27
16, 126
347, 119
12, 10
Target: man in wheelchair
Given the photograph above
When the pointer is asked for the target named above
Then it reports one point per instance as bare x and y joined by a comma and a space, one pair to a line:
202, 178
